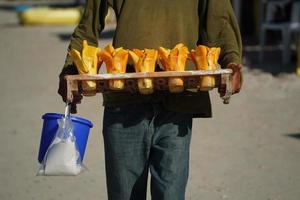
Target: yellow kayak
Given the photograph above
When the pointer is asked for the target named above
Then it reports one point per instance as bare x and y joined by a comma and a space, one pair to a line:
298, 58
50, 16
298, 71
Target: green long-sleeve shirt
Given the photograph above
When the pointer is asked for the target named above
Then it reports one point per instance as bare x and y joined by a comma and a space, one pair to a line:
151, 24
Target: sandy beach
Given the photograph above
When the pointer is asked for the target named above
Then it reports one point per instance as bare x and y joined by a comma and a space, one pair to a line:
249, 150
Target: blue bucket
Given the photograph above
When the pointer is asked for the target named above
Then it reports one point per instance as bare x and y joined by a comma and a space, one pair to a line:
81, 129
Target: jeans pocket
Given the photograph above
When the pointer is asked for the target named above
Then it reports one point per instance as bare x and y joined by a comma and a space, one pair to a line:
113, 117
120, 117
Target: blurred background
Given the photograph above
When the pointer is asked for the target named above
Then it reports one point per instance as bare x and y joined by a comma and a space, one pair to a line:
249, 150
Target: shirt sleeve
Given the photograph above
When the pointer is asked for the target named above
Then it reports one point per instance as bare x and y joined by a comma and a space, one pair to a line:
89, 28
219, 27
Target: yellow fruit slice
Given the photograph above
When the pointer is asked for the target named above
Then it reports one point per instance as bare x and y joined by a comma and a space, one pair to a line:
116, 62
163, 58
174, 60
206, 58
87, 63
76, 57
144, 61
89, 57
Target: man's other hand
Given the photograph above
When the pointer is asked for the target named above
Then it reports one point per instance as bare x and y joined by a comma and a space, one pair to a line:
62, 91
236, 79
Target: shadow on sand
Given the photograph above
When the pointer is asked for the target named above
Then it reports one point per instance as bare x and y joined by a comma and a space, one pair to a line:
293, 135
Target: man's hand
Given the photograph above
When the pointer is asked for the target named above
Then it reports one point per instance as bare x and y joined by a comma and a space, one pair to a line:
236, 79
62, 91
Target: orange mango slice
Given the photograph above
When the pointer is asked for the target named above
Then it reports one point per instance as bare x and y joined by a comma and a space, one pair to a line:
116, 62
174, 60
144, 61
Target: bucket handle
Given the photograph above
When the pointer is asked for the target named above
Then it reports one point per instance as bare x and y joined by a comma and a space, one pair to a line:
67, 110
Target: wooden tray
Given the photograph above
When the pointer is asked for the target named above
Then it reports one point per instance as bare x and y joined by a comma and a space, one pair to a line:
160, 80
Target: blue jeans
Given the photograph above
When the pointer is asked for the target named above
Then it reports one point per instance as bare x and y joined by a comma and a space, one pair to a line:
140, 137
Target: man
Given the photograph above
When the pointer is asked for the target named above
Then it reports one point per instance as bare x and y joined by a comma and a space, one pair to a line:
154, 131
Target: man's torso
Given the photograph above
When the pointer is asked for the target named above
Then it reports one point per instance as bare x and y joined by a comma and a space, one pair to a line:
151, 24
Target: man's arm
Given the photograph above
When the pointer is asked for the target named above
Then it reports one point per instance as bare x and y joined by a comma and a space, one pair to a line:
218, 27
89, 28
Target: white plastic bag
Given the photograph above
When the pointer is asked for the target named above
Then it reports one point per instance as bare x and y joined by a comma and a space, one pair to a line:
62, 157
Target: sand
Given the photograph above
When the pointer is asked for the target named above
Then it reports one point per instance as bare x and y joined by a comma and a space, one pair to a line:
248, 151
